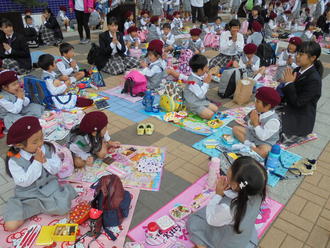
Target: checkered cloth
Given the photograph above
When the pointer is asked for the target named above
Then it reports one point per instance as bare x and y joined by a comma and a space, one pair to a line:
47, 35
290, 140
222, 60
11, 64
118, 64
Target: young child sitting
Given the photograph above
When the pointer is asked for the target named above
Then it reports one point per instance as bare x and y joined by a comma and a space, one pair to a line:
144, 20
263, 124
13, 103
256, 17
195, 93
33, 165
90, 139
177, 23
67, 66
217, 27
131, 39
285, 20
154, 32
129, 17
271, 26
288, 57
229, 218
255, 36
31, 32
308, 34
195, 44
168, 38
155, 71
62, 18
251, 62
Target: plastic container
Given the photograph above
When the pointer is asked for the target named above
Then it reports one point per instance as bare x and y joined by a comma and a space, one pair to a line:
214, 172
273, 159
180, 212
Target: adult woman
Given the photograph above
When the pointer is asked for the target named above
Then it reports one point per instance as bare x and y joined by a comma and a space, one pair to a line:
231, 46
302, 90
82, 9
50, 31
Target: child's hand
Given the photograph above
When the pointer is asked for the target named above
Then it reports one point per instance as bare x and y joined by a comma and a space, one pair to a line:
114, 144
57, 83
136, 44
222, 186
6, 46
208, 78
40, 156
20, 93
143, 64
63, 78
89, 161
197, 51
73, 64
128, 44
67, 83
254, 117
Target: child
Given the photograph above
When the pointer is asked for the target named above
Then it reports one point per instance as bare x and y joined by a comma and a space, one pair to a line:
217, 27
229, 218
256, 36
33, 165
90, 139
284, 20
129, 17
308, 33
50, 31
288, 57
13, 103
113, 45
62, 18
255, 16
195, 94
263, 124
195, 44
144, 20
177, 23
155, 71
271, 26
31, 32
157, 7
131, 39
168, 38
28, 12
251, 62
67, 66
306, 16
154, 32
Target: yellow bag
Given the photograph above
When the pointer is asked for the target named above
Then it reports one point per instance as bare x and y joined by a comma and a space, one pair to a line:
172, 99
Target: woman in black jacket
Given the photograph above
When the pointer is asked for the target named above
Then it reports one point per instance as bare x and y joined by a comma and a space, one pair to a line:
302, 91
50, 31
324, 22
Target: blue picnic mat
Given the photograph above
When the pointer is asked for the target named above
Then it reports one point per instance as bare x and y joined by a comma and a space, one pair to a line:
288, 158
36, 54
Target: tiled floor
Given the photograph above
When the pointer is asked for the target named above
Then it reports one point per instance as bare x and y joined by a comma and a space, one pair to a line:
305, 221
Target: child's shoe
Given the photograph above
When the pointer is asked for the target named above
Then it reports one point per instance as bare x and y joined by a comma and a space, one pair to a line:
141, 128
149, 129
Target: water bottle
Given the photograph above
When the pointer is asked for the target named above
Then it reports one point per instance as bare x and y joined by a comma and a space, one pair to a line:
148, 101
214, 172
273, 159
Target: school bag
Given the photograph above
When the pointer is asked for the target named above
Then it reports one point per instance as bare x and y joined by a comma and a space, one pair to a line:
172, 98
228, 80
65, 156
266, 54
184, 58
212, 40
135, 84
96, 56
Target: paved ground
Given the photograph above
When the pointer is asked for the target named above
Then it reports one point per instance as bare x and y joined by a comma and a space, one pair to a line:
306, 218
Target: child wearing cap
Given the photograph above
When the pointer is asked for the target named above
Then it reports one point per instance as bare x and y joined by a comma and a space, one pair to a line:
90, 139
129, 21
144, 20
33, 165
168, 38
195, 91
177, 23
155, 70
154, 32
271, 26
131, 39
13, 103
62, 18
263, 124
287, 57
251, 62
255, 36
195, 43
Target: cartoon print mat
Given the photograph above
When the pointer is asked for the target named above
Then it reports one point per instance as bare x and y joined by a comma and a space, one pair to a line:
8, 240
117, 92
179, 236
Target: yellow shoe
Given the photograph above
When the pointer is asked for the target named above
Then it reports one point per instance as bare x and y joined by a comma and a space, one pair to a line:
141, 128
149, 128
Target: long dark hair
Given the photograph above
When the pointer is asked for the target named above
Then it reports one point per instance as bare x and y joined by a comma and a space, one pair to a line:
248, 172
312, 48
95, 141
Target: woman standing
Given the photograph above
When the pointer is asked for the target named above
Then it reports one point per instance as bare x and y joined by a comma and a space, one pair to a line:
82, 9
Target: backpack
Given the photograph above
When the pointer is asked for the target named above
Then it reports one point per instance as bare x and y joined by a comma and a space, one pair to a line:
184, 58
211, 40
65, 156
249, 5
97, 78
266, 54
228, 80
113, 200
36, 90
172, 98
96, 56
135, 84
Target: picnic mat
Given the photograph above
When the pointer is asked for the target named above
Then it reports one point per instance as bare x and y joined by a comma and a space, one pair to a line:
116, 91
287, 157
179, 236
8, 240
125, 164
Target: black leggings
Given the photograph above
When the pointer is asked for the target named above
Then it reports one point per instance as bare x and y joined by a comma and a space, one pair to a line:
194, 13
82, 21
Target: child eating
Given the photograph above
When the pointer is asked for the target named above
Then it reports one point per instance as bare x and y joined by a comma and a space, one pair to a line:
195, 44
168, 38
251, 62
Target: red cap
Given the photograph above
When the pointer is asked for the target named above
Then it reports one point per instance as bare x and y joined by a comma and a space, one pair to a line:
256, 26
295, 41
7, 77
63, 8
169, 17
83, 102
176, 13
154, 19
23, 129
128, 14
307, 10
278, 4
144, 12
132, 29
157, 46
27, 11
288, 12
268, 95
272, 15
195, 32
93, 121
250, 48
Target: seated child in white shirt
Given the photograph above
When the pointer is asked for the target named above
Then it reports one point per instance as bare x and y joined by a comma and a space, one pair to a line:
217, 27
131, 39
62, 18
144, 21
256, 36
195, 43
129, 21
251, 62
308, 33
177, 23
67, 66
263, 124
168, 38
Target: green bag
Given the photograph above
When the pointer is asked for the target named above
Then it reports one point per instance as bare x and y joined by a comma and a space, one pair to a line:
249, 5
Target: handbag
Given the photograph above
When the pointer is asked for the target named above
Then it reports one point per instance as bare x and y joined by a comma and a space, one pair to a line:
67, 101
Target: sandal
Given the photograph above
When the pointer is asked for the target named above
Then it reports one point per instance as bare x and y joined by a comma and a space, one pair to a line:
149, 128
140, 130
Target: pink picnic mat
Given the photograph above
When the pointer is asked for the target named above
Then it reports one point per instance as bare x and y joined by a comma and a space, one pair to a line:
9, 240
178, 236
117, 92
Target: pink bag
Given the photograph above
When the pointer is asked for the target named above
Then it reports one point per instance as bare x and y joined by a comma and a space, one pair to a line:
65, 156
184, 58
244, 27
133, 52
211, 40
135, 83
142, 35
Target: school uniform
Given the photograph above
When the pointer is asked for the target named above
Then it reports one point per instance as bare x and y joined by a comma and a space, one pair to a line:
61, 17
144, 23
269, 27
300, 102
250, 69
31, 34
255, 38
282, 63
13, 108
154, 73
49, 78
127, 25
63, 65
217, 28
168, 39
18, 58
154, 33
195, 45
37, 189
324, 24
307, 36
229, 50
259, 19
176, 26
157, 7
195, 94
213, 225
50, 31
118, 62
132, 40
